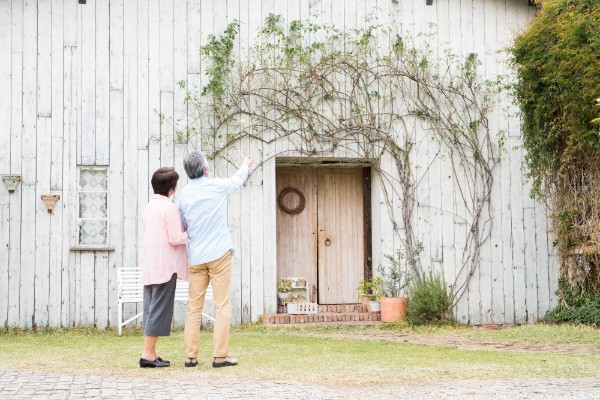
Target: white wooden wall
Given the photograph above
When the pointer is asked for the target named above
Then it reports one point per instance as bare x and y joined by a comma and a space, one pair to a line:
84, 85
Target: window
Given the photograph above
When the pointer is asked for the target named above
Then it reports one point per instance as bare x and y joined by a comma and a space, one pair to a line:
93, 206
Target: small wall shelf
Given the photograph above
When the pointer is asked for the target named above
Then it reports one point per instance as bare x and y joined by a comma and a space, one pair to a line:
50, 201
298, 291
11, 182
299, 294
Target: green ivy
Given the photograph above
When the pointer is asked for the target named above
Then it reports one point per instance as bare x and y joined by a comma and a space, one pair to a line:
577, 306
557, 60
218, 50
558, 65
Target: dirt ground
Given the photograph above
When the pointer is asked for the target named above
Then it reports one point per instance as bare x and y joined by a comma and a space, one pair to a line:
465, 343
471, 344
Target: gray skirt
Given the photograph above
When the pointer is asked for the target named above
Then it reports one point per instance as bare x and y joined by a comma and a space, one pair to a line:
159, 301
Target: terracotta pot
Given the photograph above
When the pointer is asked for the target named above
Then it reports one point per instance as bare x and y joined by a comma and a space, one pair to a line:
393, 309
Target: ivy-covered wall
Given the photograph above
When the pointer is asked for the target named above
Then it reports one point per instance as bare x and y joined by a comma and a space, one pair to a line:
558, 63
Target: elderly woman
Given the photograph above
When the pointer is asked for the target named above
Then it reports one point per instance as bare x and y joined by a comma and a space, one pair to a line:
164, 259
203, 207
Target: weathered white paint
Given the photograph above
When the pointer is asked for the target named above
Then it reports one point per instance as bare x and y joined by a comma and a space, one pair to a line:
69, 195
4, 252
85, 84
16, 121
28, 170
5, 139
59, 135
495, 309
41, 288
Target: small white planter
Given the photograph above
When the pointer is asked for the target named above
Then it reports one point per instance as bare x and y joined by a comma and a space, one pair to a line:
374, 306
283, 297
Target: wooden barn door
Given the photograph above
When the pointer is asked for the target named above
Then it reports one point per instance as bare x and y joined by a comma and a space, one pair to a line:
325, 242
341, 254
297, 233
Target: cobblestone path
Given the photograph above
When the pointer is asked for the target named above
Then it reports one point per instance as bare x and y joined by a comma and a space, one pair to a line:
16, 384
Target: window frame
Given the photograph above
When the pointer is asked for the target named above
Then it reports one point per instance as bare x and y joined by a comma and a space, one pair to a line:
76, 244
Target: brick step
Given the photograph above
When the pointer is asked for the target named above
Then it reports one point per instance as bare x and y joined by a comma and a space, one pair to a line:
335, 308
325, 317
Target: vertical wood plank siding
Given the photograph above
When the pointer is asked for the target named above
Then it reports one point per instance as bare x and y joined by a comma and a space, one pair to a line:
87, 85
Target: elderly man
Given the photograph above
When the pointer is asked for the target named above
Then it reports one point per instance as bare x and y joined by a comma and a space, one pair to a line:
203, 207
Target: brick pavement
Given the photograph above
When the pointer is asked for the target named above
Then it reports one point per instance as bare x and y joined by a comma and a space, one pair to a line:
16, 384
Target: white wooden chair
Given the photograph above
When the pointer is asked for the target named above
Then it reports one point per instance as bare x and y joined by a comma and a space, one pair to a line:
131, 290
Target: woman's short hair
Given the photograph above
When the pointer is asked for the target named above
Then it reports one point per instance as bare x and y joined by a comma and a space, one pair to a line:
194, 165
164, 179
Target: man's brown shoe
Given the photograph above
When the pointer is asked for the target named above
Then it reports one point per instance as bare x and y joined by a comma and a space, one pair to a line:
225, 362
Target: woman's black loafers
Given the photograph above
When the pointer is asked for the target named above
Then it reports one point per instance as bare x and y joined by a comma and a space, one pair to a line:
157, 363
163, 361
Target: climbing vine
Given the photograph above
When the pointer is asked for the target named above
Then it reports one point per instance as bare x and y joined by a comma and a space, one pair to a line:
315, 90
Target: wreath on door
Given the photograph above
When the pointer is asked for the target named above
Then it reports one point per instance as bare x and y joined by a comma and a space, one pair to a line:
293, 211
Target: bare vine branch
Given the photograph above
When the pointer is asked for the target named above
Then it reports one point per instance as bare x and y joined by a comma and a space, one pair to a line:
317, 90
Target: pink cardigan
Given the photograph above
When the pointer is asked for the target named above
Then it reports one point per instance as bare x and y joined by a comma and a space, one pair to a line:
164, 251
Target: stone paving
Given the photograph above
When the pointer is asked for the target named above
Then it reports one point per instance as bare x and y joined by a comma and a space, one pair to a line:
16, 384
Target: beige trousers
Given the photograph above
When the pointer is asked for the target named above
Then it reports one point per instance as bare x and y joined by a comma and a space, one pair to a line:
218, 273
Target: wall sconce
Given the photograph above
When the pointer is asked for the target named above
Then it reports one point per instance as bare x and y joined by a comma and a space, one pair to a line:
11, 182
50, 200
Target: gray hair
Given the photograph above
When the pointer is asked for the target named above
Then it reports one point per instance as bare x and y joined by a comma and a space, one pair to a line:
194, 165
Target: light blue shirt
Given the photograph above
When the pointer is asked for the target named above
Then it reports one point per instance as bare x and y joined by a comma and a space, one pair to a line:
202, 204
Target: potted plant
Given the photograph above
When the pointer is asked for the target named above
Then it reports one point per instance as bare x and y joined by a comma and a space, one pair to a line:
376, 284
364, 291
300, 282
284, 287
394, 303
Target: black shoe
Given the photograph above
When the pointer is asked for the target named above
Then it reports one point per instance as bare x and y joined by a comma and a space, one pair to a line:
164, 361
191, 363
227, 362
153, 364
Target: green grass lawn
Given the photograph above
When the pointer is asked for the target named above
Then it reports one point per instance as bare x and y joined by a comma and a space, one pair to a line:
326, 355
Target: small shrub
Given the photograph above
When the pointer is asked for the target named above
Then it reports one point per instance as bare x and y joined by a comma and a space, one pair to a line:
576, 306
430, 300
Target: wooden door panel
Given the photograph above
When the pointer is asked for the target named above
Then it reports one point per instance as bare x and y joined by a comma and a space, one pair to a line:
341, 235
297, 234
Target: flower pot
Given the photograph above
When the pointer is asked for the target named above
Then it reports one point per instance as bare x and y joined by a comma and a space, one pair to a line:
374, 306
393, 309
365, 298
